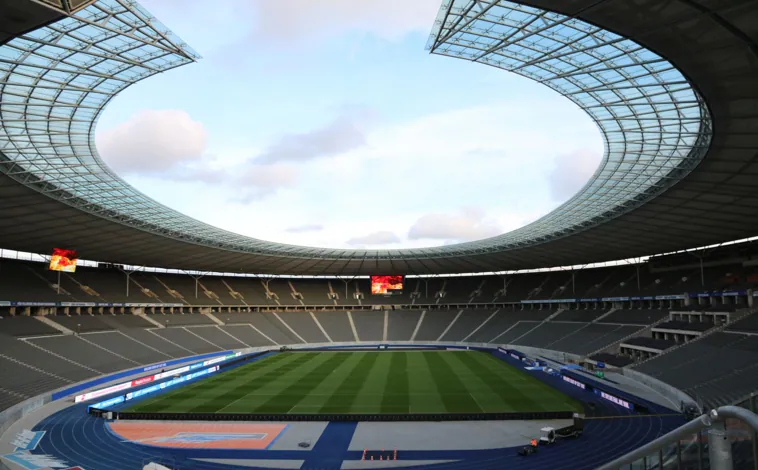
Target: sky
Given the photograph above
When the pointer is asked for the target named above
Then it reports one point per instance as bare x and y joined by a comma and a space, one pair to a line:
326, 123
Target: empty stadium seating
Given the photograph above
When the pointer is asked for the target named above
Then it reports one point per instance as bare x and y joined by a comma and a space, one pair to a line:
107, 343
25, 326
718, 369
369, 325
336, 325
401, 324
82, 323
652, 343
685, 326
642, 317
111, 340
31, 281
581, 315
747, 324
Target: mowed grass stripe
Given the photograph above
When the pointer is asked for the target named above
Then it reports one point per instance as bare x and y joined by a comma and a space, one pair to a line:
503, 383
396, 399
480, 387
287, 399
342, 399
245, 384
318, 397
369, 398
216, 383
548, 398
424, 394
455, 396
274, 386
365, 382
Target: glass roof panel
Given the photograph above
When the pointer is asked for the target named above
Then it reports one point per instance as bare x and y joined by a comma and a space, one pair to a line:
56, 80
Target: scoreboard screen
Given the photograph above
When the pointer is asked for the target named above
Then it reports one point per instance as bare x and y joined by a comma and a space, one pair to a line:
63, 260
387, 285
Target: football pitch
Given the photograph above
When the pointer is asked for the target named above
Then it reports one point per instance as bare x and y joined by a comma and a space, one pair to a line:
366, 382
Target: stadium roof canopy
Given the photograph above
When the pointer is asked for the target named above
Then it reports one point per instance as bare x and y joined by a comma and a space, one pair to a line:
672, 85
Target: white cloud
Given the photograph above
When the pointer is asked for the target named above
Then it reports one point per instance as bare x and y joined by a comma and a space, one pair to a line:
346, 132
152, 141
470, 223
259, 181
171, 145
221, 24
382, 237
403, 187
572, 171
305, 228
297, 20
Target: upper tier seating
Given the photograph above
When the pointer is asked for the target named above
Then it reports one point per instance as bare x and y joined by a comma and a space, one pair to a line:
580, 315
642, 317
32, 281
687, 326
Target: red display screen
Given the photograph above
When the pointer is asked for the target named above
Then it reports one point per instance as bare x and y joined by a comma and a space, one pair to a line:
63, 260
386, 285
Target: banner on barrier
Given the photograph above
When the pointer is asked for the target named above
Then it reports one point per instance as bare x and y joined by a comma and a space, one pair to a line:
155, 366
151, 378
5, 303
548, 301
614, 399
163, 385
102, 392
574, 382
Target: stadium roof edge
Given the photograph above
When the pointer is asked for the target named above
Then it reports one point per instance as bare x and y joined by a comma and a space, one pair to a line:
44, 258
676, 174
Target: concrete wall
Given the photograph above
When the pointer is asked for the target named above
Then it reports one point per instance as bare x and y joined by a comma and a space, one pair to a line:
672, 393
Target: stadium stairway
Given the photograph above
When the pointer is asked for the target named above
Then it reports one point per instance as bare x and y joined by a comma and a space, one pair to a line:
557, 312
613, 348
600, 318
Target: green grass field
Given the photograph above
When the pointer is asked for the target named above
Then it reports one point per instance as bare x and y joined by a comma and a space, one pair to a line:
366, 382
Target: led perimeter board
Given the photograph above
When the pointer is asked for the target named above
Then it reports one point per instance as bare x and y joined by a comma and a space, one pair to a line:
387, 285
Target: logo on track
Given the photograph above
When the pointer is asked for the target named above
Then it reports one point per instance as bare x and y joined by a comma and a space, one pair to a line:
27, 440
204, 437
35, 461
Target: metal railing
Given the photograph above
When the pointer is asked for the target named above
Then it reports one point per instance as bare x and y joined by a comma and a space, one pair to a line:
686, 448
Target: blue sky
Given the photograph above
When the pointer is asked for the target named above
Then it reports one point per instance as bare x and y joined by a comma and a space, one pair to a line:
326, 123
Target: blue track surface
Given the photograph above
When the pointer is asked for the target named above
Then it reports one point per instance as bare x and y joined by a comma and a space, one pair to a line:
80, 439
